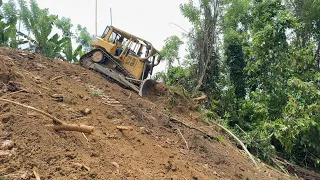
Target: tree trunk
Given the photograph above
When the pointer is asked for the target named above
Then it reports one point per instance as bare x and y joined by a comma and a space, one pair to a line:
210, 21
317, 57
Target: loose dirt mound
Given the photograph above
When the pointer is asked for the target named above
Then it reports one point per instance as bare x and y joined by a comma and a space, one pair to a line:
152, 147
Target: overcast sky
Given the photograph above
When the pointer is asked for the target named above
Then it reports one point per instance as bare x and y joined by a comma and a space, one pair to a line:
148, 19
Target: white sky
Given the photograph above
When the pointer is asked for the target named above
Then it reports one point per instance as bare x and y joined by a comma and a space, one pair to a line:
148, 19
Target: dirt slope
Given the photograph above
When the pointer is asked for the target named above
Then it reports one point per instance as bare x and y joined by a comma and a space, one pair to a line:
152, 149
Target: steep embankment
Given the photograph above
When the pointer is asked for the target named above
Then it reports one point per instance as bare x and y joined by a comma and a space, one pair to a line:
152, 149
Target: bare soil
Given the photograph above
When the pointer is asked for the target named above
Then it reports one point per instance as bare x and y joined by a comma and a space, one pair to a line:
152, 148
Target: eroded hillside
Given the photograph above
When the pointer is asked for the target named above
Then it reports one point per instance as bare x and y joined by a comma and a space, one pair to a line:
151, 146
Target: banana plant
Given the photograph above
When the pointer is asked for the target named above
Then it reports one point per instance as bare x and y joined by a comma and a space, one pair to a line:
68, 54
40, 24
8, 21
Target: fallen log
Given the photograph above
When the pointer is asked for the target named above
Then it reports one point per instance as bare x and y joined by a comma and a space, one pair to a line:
124, 128
72, 127
59, 125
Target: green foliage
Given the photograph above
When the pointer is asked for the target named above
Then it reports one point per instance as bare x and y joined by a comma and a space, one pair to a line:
96, 94
170, 51
70, 54
220, 139
308, 14
235, 61
235, 24
203, 46
8, 21
177, 76
64, 24
190, 11
174, 76
40, 23
237, 15
272, 91
83, 38
40, 26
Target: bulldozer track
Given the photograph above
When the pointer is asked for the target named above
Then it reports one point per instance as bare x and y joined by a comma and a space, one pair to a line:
86, 60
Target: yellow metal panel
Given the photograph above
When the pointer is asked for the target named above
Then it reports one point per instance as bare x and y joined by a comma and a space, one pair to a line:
133, 65
109, 47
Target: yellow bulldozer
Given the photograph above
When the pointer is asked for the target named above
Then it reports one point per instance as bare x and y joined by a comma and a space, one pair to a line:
125, 58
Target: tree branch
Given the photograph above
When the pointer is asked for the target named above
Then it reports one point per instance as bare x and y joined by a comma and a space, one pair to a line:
59, 124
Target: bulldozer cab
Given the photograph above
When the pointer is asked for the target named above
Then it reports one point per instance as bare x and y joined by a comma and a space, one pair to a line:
135, 54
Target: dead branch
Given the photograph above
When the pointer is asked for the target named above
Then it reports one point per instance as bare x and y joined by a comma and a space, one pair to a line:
200, 99
174, 120
124, 127
240, 142
183, 138
54, 119
281, 168
116, 165
72, 127
59, 124
36, 174
85, 137
243, 132
21, 90
56, 78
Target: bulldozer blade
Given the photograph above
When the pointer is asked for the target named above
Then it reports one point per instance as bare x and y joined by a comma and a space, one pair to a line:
146, 86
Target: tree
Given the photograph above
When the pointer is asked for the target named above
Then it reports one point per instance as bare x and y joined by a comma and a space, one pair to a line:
65, 25
170, 51
203, 42
281, 100
307, 13
235, 24
83, 38
40, 23
8, 21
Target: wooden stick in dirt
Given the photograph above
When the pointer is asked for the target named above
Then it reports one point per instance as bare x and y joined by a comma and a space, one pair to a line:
174, 120
72, 127
183, 138
21, 90
54, 119
124, 127
59, 124
240, 142
56, 78
36, 174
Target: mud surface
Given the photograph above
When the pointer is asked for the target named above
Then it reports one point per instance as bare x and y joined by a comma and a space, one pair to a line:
152, 148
